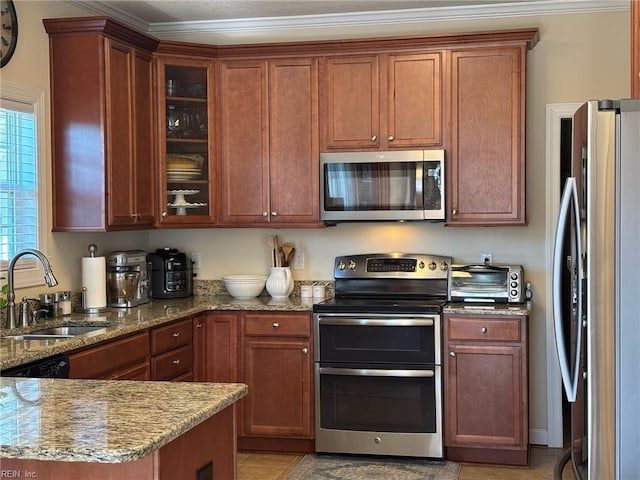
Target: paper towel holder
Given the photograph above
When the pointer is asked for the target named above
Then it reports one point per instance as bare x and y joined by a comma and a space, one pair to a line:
93, 248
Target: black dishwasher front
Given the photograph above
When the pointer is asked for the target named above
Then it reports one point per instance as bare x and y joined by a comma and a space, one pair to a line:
51, 367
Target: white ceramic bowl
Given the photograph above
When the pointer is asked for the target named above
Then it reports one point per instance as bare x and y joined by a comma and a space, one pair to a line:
244, 286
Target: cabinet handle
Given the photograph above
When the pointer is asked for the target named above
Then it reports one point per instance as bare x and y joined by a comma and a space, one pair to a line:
374, 138
454, 212
483, 329
452, 354
176, 334
391, 138
176, 362
305, 350
164, 214
264, 214
275, 325
273, 214
199, 325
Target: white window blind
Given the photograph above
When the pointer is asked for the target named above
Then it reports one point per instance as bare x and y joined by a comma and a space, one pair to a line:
21, 199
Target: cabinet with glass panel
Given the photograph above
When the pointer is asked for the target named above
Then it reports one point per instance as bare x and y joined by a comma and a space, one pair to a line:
185, 122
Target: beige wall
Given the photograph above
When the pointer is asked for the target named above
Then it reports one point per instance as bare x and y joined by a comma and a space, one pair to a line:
579, 57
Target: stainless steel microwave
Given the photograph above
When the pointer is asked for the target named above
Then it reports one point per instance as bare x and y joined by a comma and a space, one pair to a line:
382, 186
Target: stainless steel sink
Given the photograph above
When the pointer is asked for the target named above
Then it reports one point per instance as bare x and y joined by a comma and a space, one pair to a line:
60, 332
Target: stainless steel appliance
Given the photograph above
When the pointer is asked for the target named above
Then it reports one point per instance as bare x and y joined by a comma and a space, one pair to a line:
171, 273
596, 313
487, 283
377, 356
369, 186
127, 278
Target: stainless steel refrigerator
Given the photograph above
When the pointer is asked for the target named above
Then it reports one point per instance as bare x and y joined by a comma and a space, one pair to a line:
596, 290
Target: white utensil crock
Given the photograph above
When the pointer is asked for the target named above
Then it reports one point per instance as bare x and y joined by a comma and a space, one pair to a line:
280, 282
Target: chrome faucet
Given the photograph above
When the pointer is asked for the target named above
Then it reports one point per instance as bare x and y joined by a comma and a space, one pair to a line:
49, 278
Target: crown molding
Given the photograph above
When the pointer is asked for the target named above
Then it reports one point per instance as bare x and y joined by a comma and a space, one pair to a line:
387, 17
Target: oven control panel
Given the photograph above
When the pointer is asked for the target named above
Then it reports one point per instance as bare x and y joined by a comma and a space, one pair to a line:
392, 265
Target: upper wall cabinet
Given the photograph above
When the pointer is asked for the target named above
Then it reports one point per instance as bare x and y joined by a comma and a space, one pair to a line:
486, 176
268, 132
382, 101
186, 148
102, 114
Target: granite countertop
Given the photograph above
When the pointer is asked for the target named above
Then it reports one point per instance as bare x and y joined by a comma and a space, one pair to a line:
102, 421
123, 321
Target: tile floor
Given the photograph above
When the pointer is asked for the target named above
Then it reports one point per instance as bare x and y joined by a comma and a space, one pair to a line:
259, 466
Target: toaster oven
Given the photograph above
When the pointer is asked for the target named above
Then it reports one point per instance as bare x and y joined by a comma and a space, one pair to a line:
486, 283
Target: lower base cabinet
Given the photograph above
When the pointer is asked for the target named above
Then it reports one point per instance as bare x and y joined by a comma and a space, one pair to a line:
276, 363
485, 389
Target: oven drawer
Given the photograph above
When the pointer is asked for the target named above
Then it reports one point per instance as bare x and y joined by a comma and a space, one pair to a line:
280, 325
490, 329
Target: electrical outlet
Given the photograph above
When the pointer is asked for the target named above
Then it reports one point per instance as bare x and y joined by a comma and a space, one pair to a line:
195, 258
486, 258
298, 261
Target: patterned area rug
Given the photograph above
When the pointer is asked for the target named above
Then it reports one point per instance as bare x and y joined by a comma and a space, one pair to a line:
356, 467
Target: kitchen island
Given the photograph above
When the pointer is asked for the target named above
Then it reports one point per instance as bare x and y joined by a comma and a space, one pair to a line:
58, 429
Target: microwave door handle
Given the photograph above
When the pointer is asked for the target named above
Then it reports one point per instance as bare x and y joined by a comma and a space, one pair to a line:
419, 185
569, 199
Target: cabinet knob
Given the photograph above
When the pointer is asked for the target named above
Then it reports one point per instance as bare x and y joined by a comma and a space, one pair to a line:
273, 214
374, 138
305, 350
265, 214
452, 354
176, 362
176, 334
391, 138
454, 212
164, 214
483, 329
199, 325
275, 325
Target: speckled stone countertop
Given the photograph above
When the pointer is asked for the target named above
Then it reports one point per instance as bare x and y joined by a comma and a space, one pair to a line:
123, 321
102, 421
488, 309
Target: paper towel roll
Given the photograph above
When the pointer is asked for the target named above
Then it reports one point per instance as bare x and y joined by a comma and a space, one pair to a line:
94, 279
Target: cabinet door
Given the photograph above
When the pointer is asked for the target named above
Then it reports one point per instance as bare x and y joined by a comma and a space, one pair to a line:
222, 347
414, 112
278, 373
635, 48
186, 167
144, 162
200, 328
483, 396
351, 103
486, 177
244, 142
119, 142
293, 120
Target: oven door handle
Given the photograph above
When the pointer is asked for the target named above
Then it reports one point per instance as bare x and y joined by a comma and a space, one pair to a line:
375, 372
395, 322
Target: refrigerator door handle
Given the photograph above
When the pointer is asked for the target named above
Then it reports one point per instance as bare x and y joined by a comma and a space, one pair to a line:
569, 201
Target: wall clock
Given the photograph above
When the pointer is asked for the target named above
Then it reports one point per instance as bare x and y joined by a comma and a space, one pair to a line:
8, 31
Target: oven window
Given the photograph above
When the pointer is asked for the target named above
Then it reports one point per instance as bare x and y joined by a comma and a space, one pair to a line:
378, 404
372, 186
377, 344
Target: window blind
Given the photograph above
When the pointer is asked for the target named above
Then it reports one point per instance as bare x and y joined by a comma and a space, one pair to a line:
18, 180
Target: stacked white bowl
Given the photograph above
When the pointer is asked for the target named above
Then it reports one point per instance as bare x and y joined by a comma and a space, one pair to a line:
244, 286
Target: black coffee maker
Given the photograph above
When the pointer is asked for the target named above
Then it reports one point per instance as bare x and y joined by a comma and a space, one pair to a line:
171, 273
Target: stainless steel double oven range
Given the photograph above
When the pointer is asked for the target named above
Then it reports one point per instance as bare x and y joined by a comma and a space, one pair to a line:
378, 370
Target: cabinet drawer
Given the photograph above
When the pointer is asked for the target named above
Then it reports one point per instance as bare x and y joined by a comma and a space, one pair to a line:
484, 329
101, 361
172, 364
280, 325
171, 336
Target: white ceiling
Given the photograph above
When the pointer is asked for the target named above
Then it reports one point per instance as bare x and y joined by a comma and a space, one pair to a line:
170, 16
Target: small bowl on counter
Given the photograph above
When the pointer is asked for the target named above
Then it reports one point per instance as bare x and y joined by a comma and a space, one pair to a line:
244, 287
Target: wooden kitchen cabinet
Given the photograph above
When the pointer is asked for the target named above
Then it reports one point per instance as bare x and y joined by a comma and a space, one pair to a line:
486, 388
276, 363
486, 176
221, 340
382, 101
268, 133
635, 48
187, 174
121, 359
102, 117
172, 351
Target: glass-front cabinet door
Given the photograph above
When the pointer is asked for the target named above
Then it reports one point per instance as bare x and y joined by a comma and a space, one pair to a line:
185, 122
